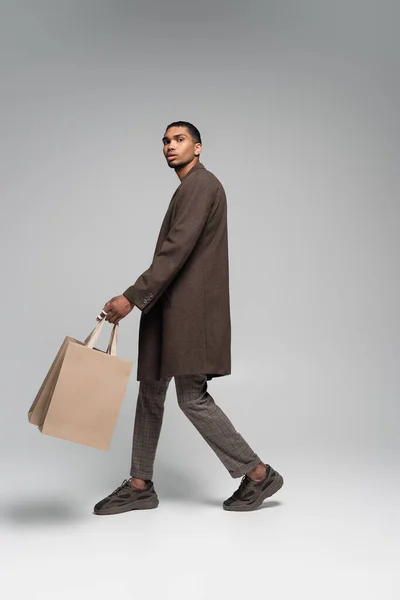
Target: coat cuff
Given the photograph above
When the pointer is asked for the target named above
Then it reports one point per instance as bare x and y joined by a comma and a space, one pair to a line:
144, 300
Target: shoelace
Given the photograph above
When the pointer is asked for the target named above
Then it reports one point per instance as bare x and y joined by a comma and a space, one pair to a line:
119, 488
242, 486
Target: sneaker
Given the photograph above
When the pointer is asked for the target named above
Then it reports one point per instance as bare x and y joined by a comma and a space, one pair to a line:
251, 494
126, 498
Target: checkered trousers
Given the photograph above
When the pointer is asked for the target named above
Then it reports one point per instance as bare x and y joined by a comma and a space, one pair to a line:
200, 408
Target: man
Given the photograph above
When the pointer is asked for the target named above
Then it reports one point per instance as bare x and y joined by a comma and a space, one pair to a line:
185, 333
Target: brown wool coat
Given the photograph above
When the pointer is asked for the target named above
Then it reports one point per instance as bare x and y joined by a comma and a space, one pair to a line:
185, 324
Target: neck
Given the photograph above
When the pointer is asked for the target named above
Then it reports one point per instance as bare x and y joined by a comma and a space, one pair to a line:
182, 171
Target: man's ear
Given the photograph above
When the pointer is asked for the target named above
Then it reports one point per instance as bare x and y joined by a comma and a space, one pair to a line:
197, 149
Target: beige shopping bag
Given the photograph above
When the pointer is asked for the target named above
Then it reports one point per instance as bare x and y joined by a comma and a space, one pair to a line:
81, 395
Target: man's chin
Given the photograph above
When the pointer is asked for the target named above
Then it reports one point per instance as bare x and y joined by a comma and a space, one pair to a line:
173, 164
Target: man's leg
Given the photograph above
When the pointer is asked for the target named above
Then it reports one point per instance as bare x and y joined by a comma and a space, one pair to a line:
259, 481
147, 428
215, 427
138, 492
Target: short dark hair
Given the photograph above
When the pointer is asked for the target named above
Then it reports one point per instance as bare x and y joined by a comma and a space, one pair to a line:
194, 132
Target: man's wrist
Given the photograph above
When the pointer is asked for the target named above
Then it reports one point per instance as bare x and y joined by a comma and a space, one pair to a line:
129, 300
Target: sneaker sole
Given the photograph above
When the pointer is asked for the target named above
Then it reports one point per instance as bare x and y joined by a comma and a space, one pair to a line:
137, 505
270, 491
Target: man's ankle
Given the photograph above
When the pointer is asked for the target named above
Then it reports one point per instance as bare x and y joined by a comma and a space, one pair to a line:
139, 484
258, 473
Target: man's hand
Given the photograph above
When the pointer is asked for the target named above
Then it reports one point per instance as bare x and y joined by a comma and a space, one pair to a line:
117, 308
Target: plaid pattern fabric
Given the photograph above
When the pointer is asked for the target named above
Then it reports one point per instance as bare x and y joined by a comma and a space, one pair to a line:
200, 408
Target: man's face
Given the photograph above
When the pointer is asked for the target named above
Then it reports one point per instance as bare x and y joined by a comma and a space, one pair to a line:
179, 147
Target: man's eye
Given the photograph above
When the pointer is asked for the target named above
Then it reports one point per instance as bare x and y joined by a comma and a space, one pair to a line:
181, 139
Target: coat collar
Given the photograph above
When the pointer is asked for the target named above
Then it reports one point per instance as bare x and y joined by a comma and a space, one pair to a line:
197, 166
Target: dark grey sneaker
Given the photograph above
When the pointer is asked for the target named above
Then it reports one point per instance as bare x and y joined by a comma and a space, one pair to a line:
126, 498
251, 494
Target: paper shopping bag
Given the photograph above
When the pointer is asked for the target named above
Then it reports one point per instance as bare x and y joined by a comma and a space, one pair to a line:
82, 393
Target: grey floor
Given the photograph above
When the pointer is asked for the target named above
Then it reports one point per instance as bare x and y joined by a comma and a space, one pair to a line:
331, 532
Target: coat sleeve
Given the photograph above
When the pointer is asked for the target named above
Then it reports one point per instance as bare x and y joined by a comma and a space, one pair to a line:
194, 205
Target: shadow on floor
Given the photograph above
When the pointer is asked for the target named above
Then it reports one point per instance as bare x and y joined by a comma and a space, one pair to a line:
265, 504
39, 512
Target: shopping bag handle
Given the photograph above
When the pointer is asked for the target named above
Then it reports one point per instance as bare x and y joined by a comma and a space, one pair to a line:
112, 344
93, 336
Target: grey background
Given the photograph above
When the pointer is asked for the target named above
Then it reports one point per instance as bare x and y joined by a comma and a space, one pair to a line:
297, 104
